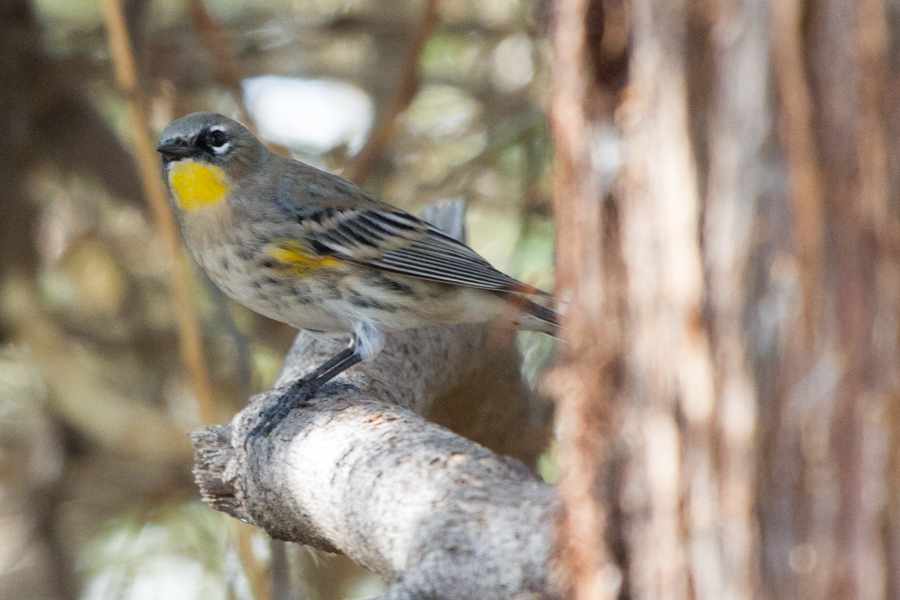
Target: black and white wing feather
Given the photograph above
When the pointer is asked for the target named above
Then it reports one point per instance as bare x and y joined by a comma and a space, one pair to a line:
395, 241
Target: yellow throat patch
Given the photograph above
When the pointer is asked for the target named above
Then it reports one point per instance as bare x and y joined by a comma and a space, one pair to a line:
197, 185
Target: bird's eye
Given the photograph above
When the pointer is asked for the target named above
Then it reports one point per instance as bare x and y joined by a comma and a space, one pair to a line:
217, 138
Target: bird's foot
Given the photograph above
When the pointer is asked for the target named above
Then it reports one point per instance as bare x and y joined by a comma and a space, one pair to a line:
296, 396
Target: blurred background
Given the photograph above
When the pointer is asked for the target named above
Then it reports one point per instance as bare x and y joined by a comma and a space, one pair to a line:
96, 498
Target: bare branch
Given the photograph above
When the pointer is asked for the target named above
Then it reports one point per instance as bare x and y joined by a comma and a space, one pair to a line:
358, 472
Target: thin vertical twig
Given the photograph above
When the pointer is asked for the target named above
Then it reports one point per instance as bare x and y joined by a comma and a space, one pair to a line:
408, 84
215, 37
190, 340
255, 572
189, 334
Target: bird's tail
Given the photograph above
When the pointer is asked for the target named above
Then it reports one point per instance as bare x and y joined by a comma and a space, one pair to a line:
533, 316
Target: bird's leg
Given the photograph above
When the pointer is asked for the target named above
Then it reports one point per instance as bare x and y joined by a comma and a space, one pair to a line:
304, 389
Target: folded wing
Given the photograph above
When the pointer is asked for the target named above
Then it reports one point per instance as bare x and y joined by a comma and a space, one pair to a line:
395, 241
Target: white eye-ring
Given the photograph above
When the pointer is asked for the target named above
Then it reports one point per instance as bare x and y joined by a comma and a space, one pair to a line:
218, 139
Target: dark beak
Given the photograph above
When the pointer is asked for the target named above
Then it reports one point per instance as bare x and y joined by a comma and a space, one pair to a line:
175, 149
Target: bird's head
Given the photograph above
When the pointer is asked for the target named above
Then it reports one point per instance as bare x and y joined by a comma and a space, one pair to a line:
204, 155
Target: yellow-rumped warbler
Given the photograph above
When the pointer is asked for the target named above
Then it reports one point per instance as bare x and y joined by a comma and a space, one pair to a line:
310, 249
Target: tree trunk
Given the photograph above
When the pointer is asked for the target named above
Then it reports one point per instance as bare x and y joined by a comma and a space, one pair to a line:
756, 443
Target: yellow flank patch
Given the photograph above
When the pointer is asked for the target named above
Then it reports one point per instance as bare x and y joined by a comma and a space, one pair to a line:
197, 185
298, 260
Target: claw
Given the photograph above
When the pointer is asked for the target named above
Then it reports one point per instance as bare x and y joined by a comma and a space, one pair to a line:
304, 389
269, 418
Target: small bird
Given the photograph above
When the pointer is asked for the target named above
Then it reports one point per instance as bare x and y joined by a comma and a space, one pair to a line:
315, 251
